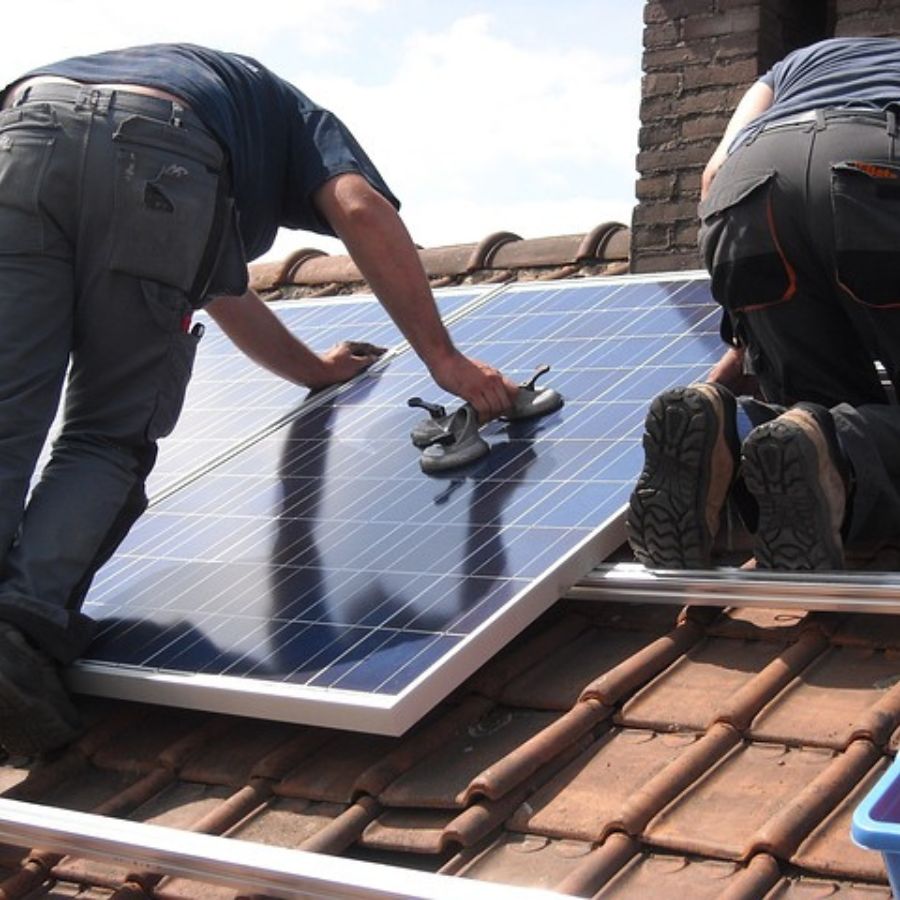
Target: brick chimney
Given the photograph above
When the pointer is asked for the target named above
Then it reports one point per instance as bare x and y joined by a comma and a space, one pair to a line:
699, 58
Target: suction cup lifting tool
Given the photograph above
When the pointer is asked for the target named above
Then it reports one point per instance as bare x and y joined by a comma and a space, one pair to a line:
428, 429
458, 444
532, 401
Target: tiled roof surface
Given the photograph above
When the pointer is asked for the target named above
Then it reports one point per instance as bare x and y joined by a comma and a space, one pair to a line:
611, 750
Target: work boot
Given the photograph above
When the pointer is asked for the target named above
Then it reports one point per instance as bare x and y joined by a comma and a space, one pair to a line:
797, 472
36, 713
690, 458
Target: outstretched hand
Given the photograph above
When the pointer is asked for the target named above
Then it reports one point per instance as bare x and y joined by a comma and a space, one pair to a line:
487, 389
344, 360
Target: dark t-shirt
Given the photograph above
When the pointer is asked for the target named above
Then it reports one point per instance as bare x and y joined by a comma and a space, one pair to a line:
860, 73
281, 145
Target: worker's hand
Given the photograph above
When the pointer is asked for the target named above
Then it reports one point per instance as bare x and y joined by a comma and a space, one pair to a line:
489, 391
729, 372
344, 360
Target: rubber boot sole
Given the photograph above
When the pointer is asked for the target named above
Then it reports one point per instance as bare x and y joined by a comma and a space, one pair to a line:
788, 469
673, 513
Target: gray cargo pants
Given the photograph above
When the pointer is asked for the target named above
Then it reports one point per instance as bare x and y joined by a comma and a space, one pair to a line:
801, 235
108, 210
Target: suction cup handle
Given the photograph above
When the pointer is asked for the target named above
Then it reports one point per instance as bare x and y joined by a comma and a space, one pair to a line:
541, 370
434, 409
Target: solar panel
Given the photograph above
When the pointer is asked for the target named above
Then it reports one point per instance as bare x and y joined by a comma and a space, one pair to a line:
317, 575
230, 399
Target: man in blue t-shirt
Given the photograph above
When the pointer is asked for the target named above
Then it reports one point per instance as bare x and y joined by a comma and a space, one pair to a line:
135, 186
800, 231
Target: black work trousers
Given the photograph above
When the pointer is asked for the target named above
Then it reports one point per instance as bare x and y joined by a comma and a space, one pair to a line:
801, 235
108, 202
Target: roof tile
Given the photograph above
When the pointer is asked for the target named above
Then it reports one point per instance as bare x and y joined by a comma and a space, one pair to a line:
556, 681
442, 780
619, 782
845, 692
726, 815
551, 742
524, 859
619, 681
409, 830
720, 679
285, 821
231, 760
829, 849
804, 888
758, 623
331, 772
878, 631
661, 875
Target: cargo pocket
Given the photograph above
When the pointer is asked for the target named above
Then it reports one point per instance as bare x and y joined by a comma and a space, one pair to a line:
26, 145
173, 315
165, 201
865, 202
739, 244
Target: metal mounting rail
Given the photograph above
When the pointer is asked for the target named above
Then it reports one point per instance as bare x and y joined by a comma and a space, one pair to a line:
251, 867
829, 591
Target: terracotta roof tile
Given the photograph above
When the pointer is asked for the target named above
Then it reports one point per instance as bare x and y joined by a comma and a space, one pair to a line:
619, 681
524, 859
661, 875
804, 888
829, 849
331, 772
557, 681
573, 730
877, 631
233, 757
500, 256
285, 821
726, 815
443, 779
720, 679
613, 784
409, 830
757, 623
846, 692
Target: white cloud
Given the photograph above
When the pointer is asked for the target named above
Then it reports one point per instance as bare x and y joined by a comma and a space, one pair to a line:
474, 131
468, 120
65, 28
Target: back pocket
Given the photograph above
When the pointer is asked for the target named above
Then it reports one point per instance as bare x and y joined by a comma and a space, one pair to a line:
26, 144
865, 201
165, 202
739, 242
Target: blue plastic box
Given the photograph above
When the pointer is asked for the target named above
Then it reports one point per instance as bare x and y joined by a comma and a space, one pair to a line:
876, 822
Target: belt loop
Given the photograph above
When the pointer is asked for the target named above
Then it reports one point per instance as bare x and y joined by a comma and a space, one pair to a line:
23, 96
890, 117
177, 113
820, 120
92, 98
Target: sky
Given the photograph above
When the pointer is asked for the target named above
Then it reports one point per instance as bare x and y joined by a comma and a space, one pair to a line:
482, 116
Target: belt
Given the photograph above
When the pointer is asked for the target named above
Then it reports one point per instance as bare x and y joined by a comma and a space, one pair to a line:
864, 114
101, 99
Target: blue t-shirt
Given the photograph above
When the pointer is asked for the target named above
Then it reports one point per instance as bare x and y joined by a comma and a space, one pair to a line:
858, 73
280, 144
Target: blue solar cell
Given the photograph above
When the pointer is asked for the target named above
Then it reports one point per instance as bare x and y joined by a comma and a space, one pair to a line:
230, 399
321, 558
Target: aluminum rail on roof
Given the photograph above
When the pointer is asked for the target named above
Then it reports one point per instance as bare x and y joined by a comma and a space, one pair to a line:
250, 867
820, 591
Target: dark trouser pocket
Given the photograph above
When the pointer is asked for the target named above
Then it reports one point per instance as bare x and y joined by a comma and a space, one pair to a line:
865, 199
26, 143
165, 202
171, 312
739, 243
